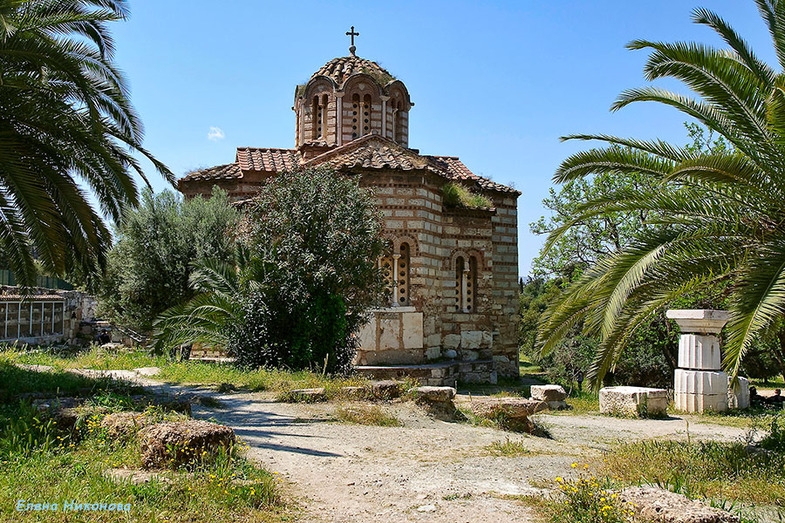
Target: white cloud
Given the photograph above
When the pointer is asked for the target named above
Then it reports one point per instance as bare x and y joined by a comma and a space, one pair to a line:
215, 134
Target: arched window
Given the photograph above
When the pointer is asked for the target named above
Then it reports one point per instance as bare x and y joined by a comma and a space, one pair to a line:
355, 115
399, 136
316, 122
466, 283
366, 114
396, 269
403, 274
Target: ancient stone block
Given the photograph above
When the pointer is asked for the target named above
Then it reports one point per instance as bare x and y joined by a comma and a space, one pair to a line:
699, 391
433, 353
386, 389
469, 355
452, 341
633, 401
411, 330
739, 394
700, 352
662, 506
306, 395
548, 393
173, 444
512, 412
471, 339
123, 425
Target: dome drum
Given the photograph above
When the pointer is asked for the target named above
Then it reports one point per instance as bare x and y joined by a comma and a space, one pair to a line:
348, 98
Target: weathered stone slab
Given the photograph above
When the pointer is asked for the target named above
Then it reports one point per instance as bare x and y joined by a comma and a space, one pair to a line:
656, 505
123, 425
513, 412
699, 321
307, 395
633, 401
172, 444
386, 389
548, 393
437, 401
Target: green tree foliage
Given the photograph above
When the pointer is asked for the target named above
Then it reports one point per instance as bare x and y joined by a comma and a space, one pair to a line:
718, 212
150, 266
66, 124
302, 282
585, 242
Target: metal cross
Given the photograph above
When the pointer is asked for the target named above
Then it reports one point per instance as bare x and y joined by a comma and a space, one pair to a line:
352, 34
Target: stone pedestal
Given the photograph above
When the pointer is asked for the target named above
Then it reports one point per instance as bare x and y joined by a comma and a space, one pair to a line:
699, 384
633, 401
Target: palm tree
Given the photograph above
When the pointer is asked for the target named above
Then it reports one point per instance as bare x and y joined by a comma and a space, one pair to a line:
719, 215
67, 130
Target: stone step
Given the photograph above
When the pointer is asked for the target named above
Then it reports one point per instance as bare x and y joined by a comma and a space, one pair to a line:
440, 374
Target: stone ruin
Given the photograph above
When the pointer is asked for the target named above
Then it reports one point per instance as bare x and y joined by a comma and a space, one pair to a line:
700, 385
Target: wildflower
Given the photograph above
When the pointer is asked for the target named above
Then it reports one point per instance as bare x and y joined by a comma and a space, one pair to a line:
559, 479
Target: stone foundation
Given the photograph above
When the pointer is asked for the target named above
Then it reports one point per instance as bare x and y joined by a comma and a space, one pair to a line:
443, 374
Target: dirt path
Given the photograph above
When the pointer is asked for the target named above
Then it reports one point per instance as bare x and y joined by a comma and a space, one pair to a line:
425, 470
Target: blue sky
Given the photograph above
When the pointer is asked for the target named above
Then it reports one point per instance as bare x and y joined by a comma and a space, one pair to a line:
494, 82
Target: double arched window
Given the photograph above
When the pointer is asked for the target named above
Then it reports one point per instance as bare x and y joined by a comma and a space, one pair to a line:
396, 267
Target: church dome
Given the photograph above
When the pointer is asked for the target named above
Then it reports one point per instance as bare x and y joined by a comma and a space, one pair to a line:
341, 69
347, 98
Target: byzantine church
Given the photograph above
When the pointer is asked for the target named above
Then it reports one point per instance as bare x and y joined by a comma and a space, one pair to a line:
452, 269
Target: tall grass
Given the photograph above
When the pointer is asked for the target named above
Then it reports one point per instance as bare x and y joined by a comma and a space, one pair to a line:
702, 469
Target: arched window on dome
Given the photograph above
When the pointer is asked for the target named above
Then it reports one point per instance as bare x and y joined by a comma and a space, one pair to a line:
366, 115
356, 115
465, 283
317, 117
399, 137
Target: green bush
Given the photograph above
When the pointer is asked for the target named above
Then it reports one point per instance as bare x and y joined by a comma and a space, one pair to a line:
150, 266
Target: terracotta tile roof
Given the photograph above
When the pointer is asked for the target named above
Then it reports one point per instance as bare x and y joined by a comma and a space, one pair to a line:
340, 69
267, 160
371, 152
229, 171
454, 169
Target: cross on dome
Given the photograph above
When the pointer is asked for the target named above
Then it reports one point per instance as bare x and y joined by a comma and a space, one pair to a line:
351, 33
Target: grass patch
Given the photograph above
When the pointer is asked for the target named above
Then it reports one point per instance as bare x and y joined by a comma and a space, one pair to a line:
278, 381
361, 414
725, 471
456, 195
41, 464
508, 448
225, 377
68, 357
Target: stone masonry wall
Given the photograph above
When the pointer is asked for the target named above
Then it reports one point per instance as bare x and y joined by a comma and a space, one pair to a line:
505, 283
